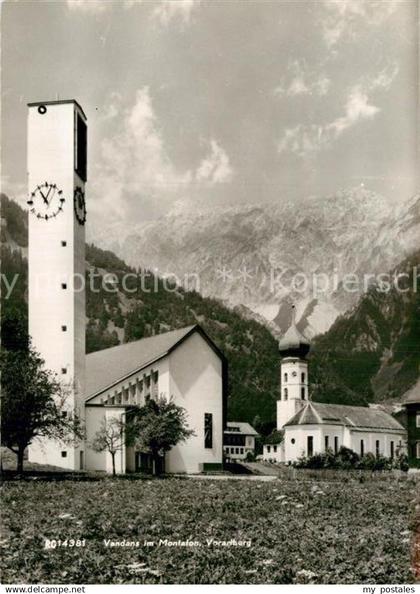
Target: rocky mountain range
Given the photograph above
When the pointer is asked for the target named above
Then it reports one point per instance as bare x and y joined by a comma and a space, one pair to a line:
267, 256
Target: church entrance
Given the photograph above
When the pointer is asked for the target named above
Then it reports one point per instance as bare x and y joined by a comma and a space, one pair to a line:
144, 463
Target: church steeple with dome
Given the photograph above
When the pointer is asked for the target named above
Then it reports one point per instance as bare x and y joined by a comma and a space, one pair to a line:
293, 349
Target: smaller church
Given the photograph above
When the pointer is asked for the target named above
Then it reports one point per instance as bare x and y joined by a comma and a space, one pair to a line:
305, 428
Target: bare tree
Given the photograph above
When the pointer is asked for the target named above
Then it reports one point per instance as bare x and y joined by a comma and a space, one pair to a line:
110, 437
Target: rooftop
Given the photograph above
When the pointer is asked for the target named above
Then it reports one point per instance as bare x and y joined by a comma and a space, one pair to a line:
241, 428
107, 367
294, 343
361, 417
412, 396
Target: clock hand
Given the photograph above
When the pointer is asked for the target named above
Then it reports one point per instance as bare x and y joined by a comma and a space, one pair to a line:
43, 197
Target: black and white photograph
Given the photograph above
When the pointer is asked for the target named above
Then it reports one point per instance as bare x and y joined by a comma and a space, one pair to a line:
210, 294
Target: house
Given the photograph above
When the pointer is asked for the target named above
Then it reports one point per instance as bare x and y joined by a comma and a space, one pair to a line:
412, 413
311, 427
182, 364
272, 449
238, 440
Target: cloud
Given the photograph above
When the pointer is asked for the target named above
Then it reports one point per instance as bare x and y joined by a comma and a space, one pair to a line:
169, 10
384, 78
306, 140
346, 18
301, 82
134, 165
215, 168
89, 6
133, 161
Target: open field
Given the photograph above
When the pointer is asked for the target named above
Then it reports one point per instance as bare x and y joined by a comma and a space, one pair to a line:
300, 531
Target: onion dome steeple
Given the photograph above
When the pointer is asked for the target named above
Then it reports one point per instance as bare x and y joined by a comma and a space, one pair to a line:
294, 343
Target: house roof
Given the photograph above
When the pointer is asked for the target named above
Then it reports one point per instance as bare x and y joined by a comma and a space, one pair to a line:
412, 396
244, 428
358, 417
107, 367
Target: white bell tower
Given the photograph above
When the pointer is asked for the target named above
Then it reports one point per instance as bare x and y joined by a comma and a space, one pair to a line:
57, 173
293, 348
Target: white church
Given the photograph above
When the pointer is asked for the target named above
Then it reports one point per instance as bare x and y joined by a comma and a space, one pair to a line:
184, 365
305, 428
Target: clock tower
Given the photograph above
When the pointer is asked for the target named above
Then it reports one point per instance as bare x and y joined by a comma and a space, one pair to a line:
57, 173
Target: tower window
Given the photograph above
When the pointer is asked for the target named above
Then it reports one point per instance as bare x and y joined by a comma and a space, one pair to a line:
293, 441
302, 393
286, 393
80, 157
63, 243
64, 454
285, 377
64, 370
64, 286
302, 377
64, 328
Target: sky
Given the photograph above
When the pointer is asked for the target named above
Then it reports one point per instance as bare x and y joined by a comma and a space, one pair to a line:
218, 102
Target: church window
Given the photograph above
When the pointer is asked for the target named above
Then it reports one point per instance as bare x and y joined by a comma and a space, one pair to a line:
336, 444
302, 377
285, 377
64, 454
326, 442
362, 447
64, 286
64, 328
293, 441
377, 448
155, 377
286, 393
208, 430
268, 449
391, 449
310, 446
302, 393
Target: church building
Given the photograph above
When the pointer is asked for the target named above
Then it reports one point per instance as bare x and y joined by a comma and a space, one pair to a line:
305, 428
184, 364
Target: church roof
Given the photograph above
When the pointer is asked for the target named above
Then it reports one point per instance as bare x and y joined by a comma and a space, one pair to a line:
107, 367
294, 343
241, 428
360, 417
412, 396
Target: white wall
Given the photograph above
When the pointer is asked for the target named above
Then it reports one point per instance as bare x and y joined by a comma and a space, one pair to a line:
293, 368
51, 159
273, 453
196, 385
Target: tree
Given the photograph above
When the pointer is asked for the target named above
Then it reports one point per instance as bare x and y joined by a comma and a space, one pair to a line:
32, 403
157, 427
110, 437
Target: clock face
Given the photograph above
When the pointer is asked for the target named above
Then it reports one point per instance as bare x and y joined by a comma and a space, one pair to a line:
46, 201
80, 205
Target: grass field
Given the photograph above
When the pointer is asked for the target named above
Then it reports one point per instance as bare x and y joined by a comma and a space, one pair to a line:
300, 531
